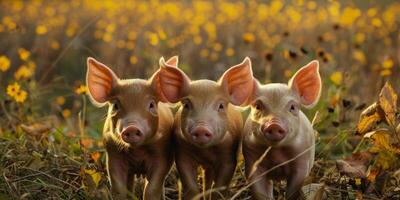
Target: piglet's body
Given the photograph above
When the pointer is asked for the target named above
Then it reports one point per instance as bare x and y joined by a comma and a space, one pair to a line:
137, 131
207, 127
276, 121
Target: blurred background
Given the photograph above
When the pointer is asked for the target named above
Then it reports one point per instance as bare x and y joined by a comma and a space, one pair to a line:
44, 46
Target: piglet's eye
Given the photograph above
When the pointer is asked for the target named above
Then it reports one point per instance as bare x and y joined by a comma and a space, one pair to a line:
186, 104
257, 105
221, 107
116, 105
294, 108
153, 107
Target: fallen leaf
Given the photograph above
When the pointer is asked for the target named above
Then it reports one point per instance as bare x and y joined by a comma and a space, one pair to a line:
95, 156
87, 143
351, 169
36, 129
371, 176
369, 119
355, 166
96, 176
385, 160
388, 103
381, 140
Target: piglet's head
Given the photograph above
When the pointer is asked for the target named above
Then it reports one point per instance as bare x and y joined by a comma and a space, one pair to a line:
276, 107
132, 103
204, 110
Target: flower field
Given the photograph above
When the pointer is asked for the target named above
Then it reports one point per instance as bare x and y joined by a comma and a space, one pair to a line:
51, 135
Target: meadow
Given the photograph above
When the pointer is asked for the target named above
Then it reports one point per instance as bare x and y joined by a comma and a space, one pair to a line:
51, 135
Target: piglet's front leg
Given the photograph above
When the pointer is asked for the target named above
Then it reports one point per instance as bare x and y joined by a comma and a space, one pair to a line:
118, 173
223, 177
154, 189
262, 188
187, 170
294, 184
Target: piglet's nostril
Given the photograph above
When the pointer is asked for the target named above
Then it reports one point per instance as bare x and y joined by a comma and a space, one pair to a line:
138, 133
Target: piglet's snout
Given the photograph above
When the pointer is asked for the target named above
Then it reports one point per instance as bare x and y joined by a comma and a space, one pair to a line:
274, 131
132, 134
201, 134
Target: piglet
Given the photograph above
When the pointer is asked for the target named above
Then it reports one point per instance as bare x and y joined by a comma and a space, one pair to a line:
276, 122
138, 129
208, 127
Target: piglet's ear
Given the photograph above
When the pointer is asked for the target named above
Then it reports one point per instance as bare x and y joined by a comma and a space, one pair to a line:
173, 61
100, 81
307, 84
238, 82
171, 83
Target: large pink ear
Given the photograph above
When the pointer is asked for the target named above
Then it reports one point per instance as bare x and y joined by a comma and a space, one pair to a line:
100, 81
173, 61
307, 84
171, 83
239, 83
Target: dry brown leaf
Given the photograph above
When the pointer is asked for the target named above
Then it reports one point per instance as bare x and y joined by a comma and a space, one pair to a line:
372, 175
87, 143
381, 139
36, 129
95, 156
355, 166
369, 119
388, 103
354, 169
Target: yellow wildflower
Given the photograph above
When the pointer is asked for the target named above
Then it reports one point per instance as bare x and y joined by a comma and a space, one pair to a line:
312, 5
60, 100
153, 39
204, 53
358, 181
376, 22
133, 60
4, 63
388, 63
359, 56
23, 72
230, 52
41, 30
54, 45
248, 37
13, 89
23, 53
21, 96
360, 37
107, 37
66, 113
386, 72
217, 47
337, 78
81, 89
197, 40
349, 16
